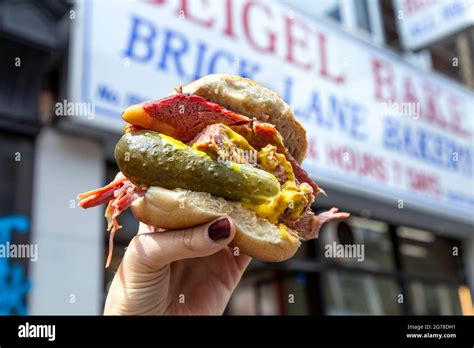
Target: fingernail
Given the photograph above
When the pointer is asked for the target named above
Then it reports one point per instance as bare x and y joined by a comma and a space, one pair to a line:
219, 229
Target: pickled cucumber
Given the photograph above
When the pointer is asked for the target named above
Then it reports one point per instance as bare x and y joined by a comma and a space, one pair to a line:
153, 159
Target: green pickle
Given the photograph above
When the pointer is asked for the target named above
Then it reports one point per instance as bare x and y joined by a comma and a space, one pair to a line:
153, 159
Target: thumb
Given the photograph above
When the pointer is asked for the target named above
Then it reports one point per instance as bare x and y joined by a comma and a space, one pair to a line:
161, 248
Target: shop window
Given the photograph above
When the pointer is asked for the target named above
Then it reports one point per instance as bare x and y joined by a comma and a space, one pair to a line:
328, 8
454, 57
303, 252
358, 294
344, 233
434, 299
257, 294
389, 22
362, 15
265, 292
295, 294
425, 254
244, 299
404, 271
269, 301
360, 243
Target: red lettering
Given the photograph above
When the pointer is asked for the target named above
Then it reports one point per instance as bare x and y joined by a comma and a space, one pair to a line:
413, 6
229, 19
293, 42
433, 113
371, 166
409, 96
183, 9
270, 47
323, 57
396, 172
383, 78
422, 182
456, 121
362, 164
312, 152
437, 108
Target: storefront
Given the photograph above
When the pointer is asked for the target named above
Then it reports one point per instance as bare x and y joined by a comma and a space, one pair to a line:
25, 75
401, 272
389, 142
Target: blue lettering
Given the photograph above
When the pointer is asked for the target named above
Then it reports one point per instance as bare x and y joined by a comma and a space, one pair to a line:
142, 35
437, 142
313, 111
215, 58
316, 109
391, 136
288, 85
427, 146
335, 110
174, 51
451, 151
107, 94
357, 121
454, 10
247, 69
202, 48
422, 145
407, 142
135, 99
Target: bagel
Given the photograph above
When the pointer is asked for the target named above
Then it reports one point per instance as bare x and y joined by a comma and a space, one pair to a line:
222, 145
177, 209
250, 98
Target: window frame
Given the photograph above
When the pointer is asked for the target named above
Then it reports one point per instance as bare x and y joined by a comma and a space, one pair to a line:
349, 20
314, 267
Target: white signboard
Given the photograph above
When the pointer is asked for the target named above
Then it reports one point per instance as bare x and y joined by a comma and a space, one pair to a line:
375, 124
422, 22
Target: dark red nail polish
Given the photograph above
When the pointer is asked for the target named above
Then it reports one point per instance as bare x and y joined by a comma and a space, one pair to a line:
219, 229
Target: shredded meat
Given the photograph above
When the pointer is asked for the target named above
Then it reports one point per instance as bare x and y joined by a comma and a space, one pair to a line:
119, 194
265, 133
280, 173
183, 116
215, 141
309, 225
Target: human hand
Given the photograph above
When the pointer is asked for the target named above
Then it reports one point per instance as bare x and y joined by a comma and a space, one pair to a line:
182, 272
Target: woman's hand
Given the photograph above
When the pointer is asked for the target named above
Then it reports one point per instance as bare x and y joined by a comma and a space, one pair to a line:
191, 271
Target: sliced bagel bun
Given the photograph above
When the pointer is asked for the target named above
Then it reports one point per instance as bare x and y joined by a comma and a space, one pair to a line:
178, 208
251, 99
